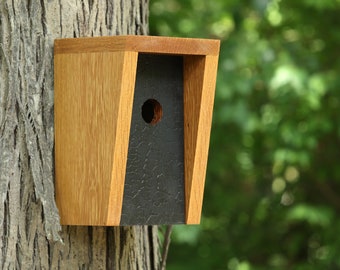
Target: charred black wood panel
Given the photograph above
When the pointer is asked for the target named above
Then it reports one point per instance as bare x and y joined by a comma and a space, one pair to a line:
154, 183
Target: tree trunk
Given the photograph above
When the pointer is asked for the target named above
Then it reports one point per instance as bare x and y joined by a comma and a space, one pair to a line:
29, 220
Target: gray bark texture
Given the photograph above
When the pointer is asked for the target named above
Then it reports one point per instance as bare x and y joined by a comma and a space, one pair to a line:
30, 233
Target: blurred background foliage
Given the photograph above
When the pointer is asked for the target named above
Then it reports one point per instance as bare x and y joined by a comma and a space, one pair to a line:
272, 197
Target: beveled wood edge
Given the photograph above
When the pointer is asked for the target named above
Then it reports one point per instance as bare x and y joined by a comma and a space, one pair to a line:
120, 155
195, 173
141, 44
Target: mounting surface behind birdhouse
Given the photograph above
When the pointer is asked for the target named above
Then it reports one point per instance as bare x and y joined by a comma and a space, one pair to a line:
132, 128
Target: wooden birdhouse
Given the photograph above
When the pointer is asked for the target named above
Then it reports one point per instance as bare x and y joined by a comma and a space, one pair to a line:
132, 127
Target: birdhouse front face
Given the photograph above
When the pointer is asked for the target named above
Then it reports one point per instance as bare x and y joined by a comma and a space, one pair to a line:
132, 128
154, 181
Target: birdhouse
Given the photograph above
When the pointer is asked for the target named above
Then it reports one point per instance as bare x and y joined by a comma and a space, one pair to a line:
132, 127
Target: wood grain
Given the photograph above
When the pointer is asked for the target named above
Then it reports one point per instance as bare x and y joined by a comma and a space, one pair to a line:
199, 89
93, 102
141, 44
123, 121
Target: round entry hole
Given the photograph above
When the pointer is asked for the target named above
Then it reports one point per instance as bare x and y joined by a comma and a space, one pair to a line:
152, 111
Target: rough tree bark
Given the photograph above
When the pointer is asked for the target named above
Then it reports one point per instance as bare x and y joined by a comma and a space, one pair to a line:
29, 220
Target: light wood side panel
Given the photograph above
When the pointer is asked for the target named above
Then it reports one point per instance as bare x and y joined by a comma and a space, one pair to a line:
127, 85
199, 90
87, 99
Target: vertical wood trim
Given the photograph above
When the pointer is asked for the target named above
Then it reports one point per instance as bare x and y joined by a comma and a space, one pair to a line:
127, 85
199, 89
193, 84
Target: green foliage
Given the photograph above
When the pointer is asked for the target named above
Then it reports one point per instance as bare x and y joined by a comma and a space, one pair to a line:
271, 199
